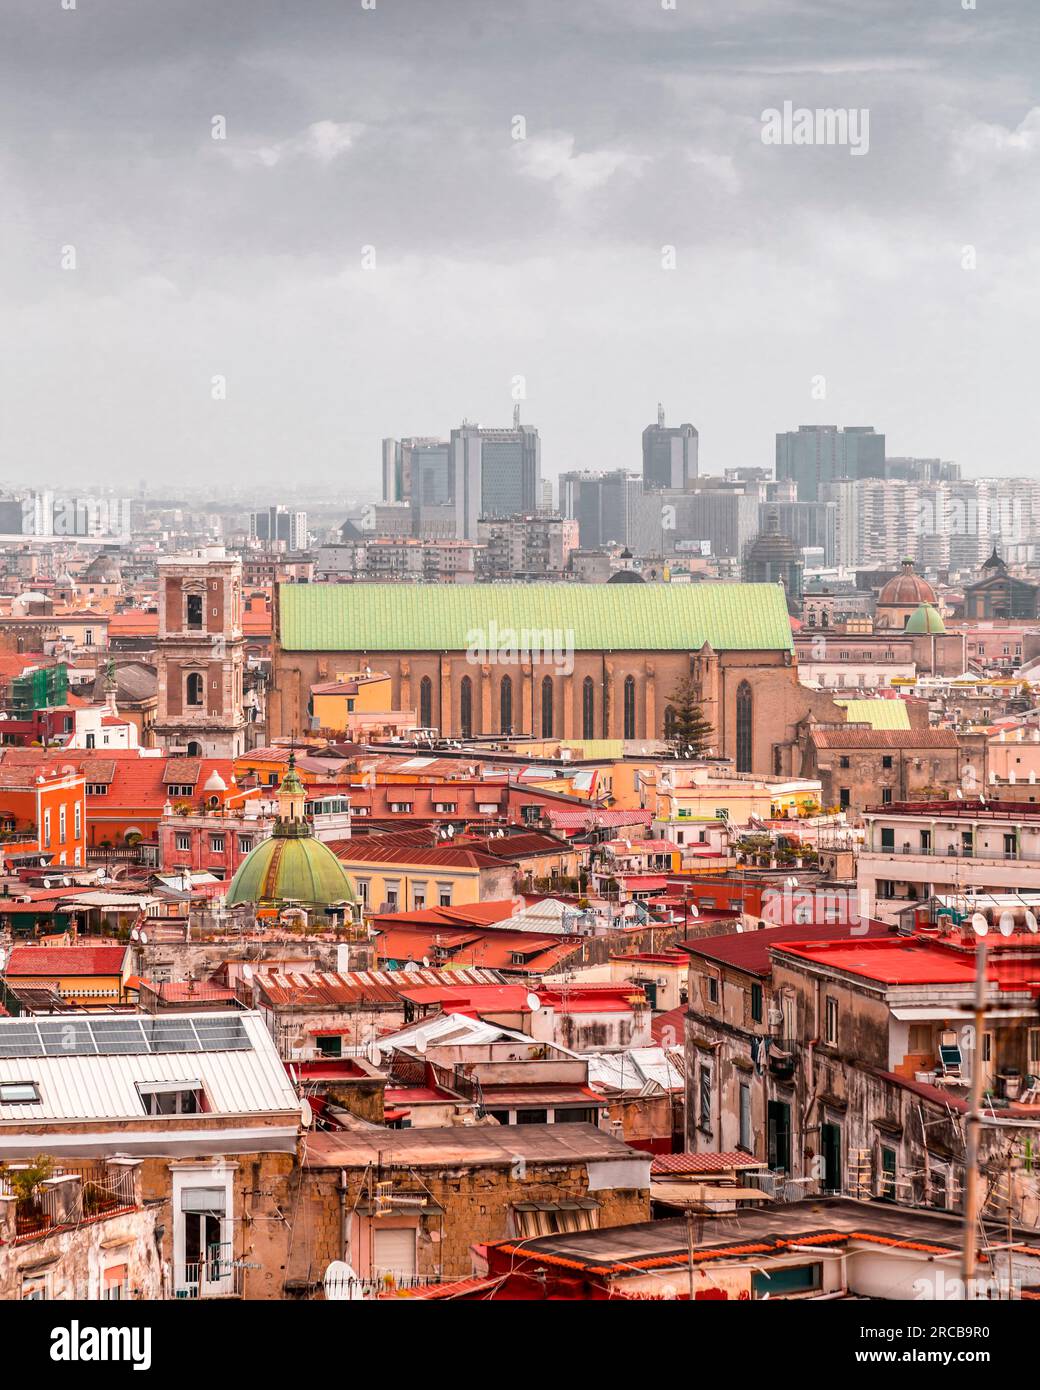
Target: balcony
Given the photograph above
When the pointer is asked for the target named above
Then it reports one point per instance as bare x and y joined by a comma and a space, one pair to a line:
971, 852
219, 1275
783, 1058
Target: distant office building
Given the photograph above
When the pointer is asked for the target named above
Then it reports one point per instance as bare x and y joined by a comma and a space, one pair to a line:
452, 483
815, 455
669, 455
279, 526
913, 470
603, 504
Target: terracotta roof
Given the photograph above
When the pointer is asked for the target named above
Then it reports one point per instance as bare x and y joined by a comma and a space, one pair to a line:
703, 1163
65, 960
885, 738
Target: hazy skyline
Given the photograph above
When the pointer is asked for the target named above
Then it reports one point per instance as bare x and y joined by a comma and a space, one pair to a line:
495, 258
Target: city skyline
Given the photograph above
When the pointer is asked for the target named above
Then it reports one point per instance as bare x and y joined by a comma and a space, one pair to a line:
146, 261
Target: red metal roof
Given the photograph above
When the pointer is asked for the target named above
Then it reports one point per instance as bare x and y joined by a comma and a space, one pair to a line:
899, 961
749, 950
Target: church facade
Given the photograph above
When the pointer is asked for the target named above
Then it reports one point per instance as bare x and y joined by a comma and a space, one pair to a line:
567, 661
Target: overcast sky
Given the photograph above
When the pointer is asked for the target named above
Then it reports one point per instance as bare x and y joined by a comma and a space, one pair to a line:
496, 258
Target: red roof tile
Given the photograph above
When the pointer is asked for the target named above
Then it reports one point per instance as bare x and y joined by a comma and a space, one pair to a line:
65, 960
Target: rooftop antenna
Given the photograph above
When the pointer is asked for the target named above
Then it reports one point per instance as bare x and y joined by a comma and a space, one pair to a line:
660, 416
516, 416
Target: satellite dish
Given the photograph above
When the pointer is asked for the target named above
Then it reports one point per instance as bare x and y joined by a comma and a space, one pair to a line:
420, 1045
979, 925
306, 1113
412, 968
1007, 923
374, 1054
694, 910
144, 938
247, 974
533, 1002
134, 934
341, 1283
46, 883
1032, 923
426, 962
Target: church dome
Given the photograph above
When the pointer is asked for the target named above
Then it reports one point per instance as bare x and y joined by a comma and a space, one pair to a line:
292, 866
906, 590
626, 577
927, 620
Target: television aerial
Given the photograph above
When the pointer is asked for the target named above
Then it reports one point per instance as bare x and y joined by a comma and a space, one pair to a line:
341, 1283
979, 925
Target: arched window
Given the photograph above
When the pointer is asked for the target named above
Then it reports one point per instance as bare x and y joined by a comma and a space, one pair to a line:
195, 688
547, 707
505, 705
630, 707
195, 751
466, 707
588, 708
426, 702
670, 725
744, 715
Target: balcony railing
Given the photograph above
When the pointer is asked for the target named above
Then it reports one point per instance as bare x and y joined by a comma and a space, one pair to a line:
219, 1275
975, 852
101, 1192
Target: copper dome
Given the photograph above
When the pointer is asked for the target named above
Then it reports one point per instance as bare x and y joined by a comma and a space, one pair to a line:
906, 590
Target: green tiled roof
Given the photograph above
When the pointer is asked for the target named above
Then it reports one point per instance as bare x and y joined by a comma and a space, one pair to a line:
879, 714
598, 617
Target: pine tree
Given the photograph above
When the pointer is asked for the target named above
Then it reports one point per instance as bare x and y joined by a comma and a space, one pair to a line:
692, 734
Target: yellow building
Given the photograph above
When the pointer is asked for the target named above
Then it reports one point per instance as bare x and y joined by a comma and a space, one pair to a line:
333, 703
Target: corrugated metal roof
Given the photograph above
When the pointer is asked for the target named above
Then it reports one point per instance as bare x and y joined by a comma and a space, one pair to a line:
243, 1081
591, 617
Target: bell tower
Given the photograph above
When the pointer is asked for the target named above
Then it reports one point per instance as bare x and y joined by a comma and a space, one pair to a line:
200, 655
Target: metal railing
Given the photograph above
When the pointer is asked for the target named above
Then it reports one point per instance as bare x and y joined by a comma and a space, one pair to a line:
975, 852
219, 1275
101, 1192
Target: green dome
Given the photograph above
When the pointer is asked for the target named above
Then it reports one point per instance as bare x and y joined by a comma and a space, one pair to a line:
925, 619
291, 865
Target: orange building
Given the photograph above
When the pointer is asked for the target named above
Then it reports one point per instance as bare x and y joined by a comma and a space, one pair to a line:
43, 811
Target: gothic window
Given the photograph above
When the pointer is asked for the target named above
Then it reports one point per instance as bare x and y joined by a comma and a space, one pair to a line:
466, 707
547, 707
426, 702
670, 730
588, 708
744, 716
630, 707
505, 705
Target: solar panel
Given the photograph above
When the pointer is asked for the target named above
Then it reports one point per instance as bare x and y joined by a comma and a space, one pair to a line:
88, 1037
68, 1038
